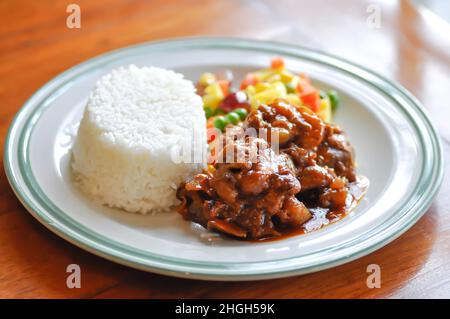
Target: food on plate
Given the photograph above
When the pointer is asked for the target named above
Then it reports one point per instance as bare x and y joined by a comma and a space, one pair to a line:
134, 120
263, 87
263, 160
297, 173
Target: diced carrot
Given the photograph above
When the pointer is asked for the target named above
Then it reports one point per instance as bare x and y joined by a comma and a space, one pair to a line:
250, 79
224, 85
210, 122
277, 63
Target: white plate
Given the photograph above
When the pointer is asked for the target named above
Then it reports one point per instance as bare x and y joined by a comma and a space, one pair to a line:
396, 148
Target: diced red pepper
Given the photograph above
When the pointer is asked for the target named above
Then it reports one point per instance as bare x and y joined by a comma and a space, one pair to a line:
311, 98
308, 93
250, 79
277, 63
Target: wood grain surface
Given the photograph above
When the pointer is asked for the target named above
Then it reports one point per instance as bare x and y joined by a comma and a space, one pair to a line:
36, 45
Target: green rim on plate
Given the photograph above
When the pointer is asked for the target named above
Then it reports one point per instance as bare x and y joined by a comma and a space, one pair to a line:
42, 208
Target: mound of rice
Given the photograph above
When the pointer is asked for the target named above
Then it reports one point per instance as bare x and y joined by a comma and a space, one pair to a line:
134, 121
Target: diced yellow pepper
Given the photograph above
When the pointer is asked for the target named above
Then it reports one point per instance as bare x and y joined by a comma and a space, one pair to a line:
294, 81
324, 111
293, 98
213, 95
207, 79
250, 90
211, 101
261, 86
214, 89
280, 88
285, 76
267, 96
275, 77
262, 75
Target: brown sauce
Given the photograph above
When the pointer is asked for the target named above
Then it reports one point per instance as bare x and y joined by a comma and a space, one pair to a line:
322, 217
256, 192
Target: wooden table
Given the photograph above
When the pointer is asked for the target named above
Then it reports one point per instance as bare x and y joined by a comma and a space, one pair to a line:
36, 45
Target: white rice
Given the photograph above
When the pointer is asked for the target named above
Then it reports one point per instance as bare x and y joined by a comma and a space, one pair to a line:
134, 118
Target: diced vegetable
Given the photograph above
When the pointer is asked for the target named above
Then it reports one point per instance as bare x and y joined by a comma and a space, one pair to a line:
250, 79
293, 99
277, 63
286, 76
323, 95
275, 77
266, 93
213, 95
281, 88
304, 85
214, 89
223, 105
242, 113
219, 111
207, 79
234, 100
311, 98
324, 111
208, 112
262, 86
220, 122
233, 118
224, 85
263, 75
250, 91
290, 87
334, 99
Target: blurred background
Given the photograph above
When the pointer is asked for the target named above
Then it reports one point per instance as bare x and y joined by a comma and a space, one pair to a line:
405, 40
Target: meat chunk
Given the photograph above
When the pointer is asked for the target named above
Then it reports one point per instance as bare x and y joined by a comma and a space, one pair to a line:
294, 212
315, 176
281, 122
246, 199
336, 152
258, 190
